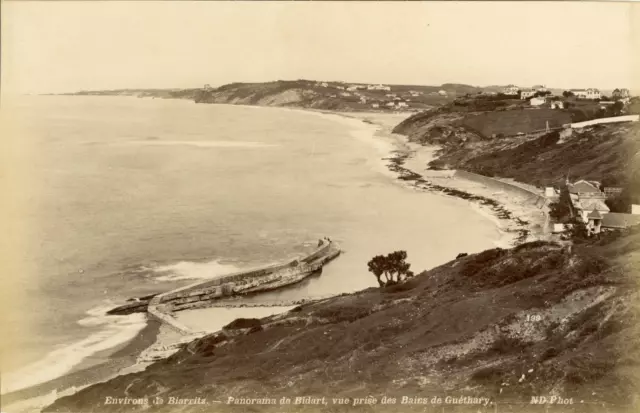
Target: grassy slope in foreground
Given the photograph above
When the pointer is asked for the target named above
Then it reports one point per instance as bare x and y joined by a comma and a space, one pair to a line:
460, 328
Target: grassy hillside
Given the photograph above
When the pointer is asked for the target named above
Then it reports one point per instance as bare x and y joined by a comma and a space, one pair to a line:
513, 122
539, 319
483, 142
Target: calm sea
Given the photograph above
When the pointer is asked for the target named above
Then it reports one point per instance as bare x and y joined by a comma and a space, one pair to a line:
130, 196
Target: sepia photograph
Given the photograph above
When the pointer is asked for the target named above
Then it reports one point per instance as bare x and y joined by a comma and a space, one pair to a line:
320, 206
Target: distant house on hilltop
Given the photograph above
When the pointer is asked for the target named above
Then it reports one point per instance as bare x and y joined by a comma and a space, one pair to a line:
537, 101
527, 93
620, 93
511, 90
590, 93
378, 87
540, 88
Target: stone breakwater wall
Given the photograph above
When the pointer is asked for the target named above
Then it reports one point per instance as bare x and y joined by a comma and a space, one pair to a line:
202, 293
529, 196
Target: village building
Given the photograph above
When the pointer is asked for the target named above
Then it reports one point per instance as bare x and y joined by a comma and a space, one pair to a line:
363, 99
540, 88
375, 105
402, 104
594, 222
390, 104
378, 87
414, 93
620, 93
442, 92
511, 90
527, 93
586, 197
557, 104
537, 101
590, 93
345, 94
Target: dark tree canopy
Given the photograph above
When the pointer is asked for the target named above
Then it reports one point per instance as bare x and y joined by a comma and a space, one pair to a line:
393, 266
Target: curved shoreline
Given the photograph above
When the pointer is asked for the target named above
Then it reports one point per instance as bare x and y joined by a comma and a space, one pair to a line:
371, 128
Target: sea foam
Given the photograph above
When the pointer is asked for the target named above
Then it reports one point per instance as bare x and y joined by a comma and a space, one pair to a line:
114, 330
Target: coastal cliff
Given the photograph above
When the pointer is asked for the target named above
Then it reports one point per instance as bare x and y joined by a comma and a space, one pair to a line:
511, 144
540, 319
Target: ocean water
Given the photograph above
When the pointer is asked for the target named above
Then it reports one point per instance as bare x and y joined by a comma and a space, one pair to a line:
128, 196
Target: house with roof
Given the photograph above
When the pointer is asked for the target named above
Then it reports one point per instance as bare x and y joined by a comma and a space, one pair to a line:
537, 101
590, 93
527, 93
620, 93
594, 222
586, 197
510, 90
586, 206
540, 88
585, 187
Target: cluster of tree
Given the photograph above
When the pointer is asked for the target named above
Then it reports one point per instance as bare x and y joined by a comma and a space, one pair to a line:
567, 93
561, 211
393, 266
541, 93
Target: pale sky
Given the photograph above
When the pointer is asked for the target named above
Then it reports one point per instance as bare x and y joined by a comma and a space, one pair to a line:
70, 46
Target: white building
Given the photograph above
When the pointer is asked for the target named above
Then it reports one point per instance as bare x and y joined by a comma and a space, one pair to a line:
511, 90
378, 87
375, 105
537, 101
442, 92
590, 93
527, 93
402, 105
557, 104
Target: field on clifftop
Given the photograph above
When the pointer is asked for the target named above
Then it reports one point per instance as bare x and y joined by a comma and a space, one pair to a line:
538, 319
605, 153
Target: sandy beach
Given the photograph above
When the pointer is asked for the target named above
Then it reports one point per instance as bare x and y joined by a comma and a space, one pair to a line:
515, 217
